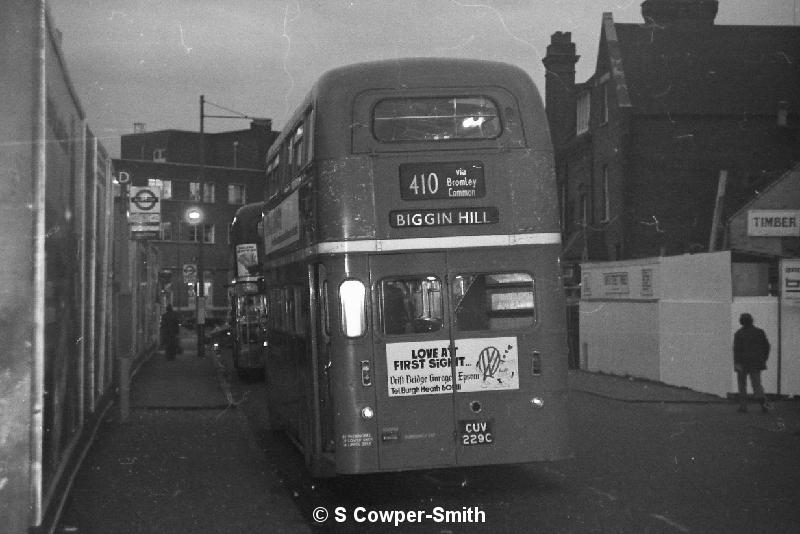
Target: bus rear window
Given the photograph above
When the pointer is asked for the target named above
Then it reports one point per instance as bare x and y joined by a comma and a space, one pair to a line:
411, 305
493, 301
436, 119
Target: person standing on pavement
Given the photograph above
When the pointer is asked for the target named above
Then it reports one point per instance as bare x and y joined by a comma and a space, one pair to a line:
169, 332
750, 353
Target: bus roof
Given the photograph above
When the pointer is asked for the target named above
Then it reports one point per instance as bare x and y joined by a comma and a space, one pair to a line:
423, 72
340, 85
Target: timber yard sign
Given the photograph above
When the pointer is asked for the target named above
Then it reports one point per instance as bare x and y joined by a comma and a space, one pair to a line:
773, 223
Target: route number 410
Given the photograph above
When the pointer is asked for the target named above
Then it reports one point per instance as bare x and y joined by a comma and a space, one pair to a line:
424, 184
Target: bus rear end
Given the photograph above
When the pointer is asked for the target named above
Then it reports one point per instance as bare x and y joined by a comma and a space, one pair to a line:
446, 213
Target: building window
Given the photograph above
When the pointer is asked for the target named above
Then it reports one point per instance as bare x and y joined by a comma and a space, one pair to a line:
194, 191
166, 231
208, 233
236, 194
160, 155
193, 232
605, 200
202, 192
584, 101
604, 103
165, 185
208, 192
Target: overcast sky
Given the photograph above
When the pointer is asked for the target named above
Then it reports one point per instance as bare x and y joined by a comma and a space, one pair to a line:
150, 60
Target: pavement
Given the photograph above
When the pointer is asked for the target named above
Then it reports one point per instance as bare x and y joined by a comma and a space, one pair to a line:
161, 470
185, 460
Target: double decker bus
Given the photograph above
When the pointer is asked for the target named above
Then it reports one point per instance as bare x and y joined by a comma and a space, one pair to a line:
248, 302
411, 239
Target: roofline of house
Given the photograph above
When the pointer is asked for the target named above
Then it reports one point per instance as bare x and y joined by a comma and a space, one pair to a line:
749, 203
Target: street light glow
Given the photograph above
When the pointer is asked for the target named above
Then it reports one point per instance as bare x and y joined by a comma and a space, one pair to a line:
194, 215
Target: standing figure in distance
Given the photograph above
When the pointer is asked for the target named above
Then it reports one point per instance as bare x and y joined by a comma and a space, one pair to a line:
169, 332
750, 353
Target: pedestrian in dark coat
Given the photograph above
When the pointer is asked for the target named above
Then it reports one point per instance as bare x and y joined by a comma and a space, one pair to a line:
750, 353
169, 332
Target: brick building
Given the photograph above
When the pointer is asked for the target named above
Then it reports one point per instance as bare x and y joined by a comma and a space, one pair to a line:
232, 176
675, 103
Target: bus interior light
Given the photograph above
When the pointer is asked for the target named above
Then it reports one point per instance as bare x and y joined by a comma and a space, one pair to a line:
537, 402
367, 412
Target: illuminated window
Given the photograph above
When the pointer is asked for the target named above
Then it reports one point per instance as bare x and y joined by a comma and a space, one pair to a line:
208, 192
273, 176
297, 152
194, 231
236, 194
165, 185
194, 191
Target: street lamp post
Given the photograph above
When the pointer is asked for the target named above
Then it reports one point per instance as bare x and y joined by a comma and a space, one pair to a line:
195, 217
198, 214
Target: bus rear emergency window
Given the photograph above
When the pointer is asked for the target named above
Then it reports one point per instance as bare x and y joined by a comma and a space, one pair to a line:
436, 119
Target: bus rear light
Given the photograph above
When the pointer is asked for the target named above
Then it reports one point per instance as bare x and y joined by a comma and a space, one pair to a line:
536, 363
367, 413
366, 373
537, 402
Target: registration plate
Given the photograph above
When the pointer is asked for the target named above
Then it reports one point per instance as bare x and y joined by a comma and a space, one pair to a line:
476, 432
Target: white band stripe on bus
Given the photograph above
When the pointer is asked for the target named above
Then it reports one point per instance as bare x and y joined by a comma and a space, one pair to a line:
420, 243
427, 243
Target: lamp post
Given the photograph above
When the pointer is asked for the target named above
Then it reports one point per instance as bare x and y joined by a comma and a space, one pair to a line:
197, 213
195, 217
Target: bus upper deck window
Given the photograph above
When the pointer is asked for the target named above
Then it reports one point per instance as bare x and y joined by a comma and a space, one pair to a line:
352, 295
436, 119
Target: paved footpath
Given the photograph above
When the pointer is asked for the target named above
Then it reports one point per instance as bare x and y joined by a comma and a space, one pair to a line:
184, 462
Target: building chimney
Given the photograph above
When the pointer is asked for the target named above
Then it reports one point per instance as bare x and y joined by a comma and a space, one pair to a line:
139, 127
681, 14
559, 64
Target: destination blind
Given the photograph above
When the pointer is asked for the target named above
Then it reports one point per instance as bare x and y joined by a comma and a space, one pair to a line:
443, 217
